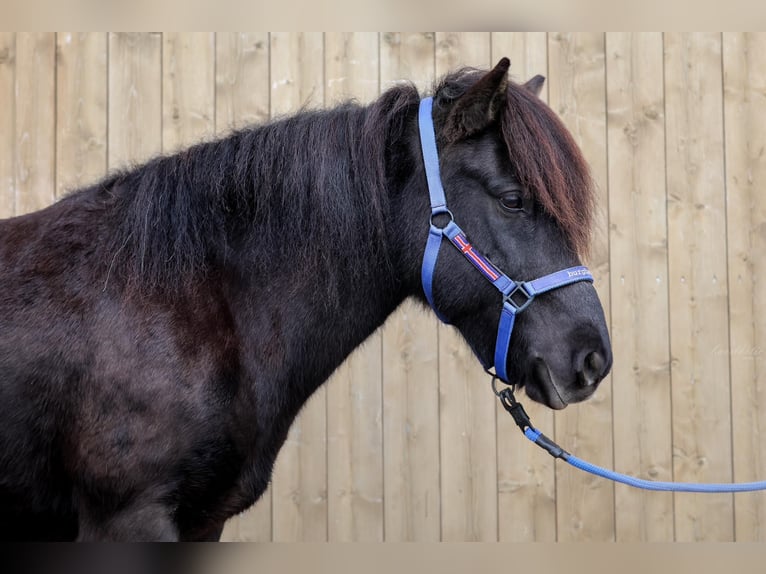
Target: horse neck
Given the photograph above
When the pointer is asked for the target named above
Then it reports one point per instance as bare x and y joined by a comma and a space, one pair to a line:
314, 305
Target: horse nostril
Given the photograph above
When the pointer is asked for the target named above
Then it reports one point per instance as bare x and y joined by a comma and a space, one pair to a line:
593, 369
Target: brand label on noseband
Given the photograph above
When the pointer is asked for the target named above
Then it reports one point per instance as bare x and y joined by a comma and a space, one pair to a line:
578, 272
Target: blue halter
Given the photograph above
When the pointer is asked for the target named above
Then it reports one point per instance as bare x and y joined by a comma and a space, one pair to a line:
516, 295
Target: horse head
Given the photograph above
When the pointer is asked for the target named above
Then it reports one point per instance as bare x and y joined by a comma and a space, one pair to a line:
517, 184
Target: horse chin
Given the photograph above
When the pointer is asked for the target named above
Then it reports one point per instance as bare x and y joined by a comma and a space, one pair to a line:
544, 389
549, 398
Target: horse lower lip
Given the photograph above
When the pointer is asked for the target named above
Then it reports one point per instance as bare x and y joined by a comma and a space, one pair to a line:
548, 387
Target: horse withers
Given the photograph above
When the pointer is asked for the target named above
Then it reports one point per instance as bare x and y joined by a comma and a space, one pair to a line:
160, 329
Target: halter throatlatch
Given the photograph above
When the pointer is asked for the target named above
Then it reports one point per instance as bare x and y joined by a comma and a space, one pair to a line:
516, 295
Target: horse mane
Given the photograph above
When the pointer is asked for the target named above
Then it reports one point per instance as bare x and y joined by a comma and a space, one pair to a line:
544, 156
317, 178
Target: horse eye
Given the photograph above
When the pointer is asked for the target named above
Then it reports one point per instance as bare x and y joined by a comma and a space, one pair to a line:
512, 201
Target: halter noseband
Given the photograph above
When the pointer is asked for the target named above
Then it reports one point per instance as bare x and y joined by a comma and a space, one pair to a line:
517, 295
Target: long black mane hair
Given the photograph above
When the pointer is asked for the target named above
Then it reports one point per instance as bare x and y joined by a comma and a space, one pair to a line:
315, 178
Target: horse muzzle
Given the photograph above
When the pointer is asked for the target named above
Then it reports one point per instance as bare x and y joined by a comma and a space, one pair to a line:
557, 386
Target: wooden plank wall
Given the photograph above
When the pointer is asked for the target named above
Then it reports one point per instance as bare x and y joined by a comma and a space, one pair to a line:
406, 442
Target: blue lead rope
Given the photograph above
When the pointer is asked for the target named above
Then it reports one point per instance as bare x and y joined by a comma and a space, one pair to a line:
522, 420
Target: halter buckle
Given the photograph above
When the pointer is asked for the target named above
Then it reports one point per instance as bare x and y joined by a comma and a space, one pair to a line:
519, 292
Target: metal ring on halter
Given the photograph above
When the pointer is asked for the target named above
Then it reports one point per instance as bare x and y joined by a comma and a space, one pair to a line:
495, 378
444, 211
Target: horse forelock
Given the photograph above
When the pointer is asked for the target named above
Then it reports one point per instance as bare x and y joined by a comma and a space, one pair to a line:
544, 155
548, 161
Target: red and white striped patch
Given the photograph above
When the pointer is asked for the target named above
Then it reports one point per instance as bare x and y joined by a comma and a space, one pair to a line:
474, 257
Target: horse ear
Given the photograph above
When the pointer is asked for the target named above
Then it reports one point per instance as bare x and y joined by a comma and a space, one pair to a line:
535, 85
480, 105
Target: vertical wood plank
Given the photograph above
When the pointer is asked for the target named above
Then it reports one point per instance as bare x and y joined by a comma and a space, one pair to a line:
35, 130
526, 479
7, 124
242, 97
135, 97
299, 485
188, 88
744, 110
410, 359
639, 287
242, 79
354, 403
297, 72
81, 109
467, 406
577, 92
699, 333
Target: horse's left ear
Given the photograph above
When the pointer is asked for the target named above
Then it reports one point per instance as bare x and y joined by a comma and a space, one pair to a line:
480, 105
535, 85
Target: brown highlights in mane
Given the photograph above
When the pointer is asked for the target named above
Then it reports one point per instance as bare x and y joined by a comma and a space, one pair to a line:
545, 157
547, 161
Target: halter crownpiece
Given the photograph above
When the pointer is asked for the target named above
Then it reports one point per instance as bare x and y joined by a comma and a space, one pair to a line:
516, 295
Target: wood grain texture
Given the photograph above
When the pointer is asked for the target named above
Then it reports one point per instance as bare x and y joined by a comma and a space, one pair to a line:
639, 283
697, 261
81, 109
354, 393
188, 88
135, 98
744, 79
577, 90
297, 77
410, 360
526, 476
467, 406
242, 79
7, 124
35, 123
407, 57
299, 483
241, 98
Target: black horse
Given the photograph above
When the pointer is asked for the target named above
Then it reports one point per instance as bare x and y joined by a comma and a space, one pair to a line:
161, 329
